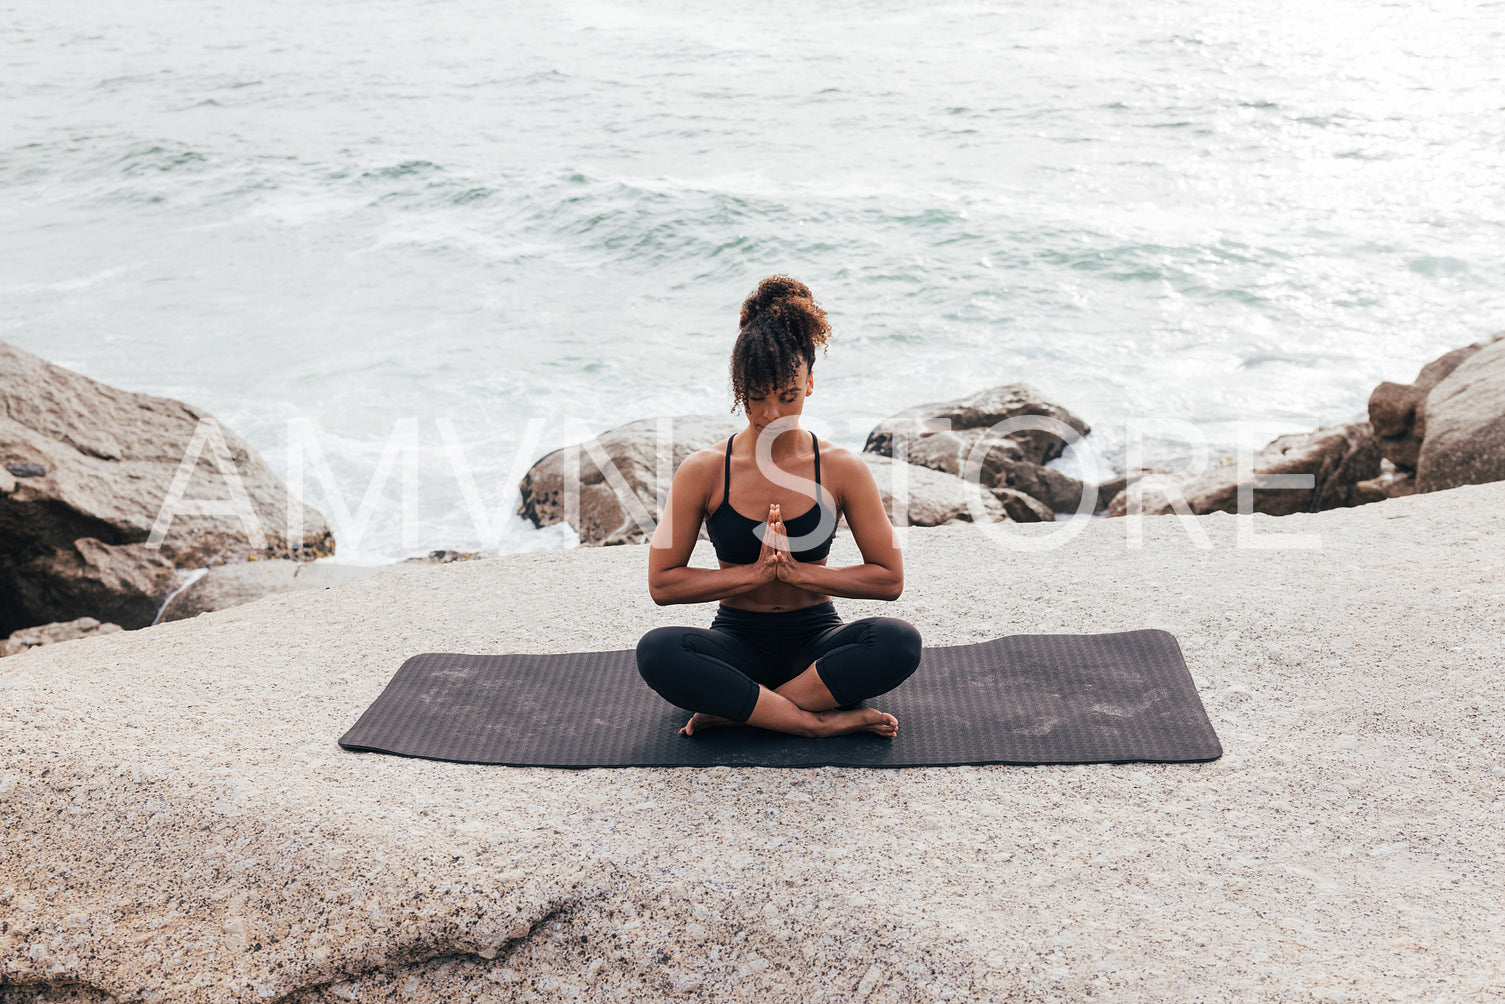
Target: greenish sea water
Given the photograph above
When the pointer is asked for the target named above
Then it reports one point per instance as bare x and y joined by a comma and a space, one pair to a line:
489, 218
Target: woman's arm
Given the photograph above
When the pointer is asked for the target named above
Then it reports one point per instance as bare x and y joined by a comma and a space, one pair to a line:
700, 585
881, 575
670, 579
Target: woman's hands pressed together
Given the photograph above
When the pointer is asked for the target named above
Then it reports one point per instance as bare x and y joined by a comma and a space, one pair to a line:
775, 560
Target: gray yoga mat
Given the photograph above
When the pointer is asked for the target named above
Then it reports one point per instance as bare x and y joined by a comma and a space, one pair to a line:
1024, 699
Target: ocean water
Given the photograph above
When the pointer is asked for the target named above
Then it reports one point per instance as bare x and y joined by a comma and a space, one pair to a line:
490, 228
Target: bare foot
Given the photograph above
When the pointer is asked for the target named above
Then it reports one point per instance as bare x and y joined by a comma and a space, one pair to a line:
701, 720
840, 723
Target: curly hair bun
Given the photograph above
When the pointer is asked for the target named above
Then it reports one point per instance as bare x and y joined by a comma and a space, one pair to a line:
781, 324
790, 305
772, 294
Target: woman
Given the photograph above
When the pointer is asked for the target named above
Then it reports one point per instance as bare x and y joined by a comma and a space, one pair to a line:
777, 655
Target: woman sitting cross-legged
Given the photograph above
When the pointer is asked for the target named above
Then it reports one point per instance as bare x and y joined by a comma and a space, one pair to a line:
776, 654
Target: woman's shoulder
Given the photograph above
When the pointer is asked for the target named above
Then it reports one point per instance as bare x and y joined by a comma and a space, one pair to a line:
702, 469
707, 456
848, 471
700, 461
838, 457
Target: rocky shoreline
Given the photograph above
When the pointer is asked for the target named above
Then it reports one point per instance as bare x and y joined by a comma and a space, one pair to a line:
85, 469
178, 823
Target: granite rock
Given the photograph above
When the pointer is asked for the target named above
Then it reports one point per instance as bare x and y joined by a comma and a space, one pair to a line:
1391, 482
932, 498
1337, 458
177, 822
1394, 407
958, 438
88, 468
229, 585
51, 634
442, 557
637, 455
1462, 424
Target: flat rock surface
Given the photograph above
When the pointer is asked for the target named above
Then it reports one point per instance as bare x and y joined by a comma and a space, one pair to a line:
177, 822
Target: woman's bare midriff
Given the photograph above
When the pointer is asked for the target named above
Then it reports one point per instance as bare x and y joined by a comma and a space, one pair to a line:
775, 596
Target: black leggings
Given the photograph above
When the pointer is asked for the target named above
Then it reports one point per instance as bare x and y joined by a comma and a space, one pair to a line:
717, 669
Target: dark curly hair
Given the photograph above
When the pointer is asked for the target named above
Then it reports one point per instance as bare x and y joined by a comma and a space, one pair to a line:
781, 324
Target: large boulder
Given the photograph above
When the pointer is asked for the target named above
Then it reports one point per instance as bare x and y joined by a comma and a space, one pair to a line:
944, 435
1393, 407
636, 454
1462, 424
179, 826
932, 497
88, 468
1338, 458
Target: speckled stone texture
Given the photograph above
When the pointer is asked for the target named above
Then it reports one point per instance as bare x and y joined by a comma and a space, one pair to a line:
178, 824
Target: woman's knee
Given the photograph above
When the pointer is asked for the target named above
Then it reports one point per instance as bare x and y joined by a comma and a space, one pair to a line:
883, 654
668, 661
899, 638
658, 654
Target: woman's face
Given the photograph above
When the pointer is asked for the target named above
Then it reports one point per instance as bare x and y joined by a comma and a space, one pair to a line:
785, 401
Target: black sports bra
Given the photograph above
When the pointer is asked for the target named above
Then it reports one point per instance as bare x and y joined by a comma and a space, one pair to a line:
732, 534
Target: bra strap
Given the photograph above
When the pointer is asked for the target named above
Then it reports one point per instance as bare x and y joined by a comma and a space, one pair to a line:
817, 459
726, 489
